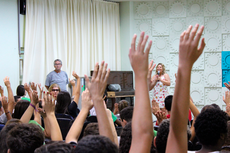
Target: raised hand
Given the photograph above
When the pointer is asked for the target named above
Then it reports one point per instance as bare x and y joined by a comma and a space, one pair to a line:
155, 107
1, 91
98, 81
7, 81
188, 48
5, 103
227, 85
48, 103
33, 86
75, 75
72, 82
26, 86
160, 116
138, 57
151, 83
34, 99
226, 99
86, 100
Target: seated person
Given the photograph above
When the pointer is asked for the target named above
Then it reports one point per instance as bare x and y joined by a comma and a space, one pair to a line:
126, 115
55, 146
119, 106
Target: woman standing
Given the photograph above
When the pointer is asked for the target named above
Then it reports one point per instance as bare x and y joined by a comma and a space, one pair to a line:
160, 90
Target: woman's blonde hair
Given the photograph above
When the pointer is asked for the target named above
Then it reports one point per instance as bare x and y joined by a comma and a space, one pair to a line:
54, 85
163, 68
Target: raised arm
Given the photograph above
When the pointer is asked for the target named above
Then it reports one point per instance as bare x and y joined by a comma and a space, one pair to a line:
76, 127
76, 91
97, 89
10, 94
30, 110
226, 100
151, 82
29, 91
142, 134
41, 90
195, 113
5, 107
1, 91
188, 54
48, 104
33, 86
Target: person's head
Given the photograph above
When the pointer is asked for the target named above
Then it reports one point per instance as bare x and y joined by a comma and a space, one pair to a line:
168, 102
57, 64
211, 128
160, 67
25, 138
63, 102
20, 90
210, 107
55, 146
91, 129
227, 140
126, 115
122, 104
20, 108
126, 139
4, 132
54, 89
160, 141
96, 144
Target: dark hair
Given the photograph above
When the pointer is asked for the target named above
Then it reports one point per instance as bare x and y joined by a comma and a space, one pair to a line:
20, 90
25, 138
227, 140
20, 109
91, 129
55, 146
63, 102
126, 138
96, 144
127, 113
215, 106
209, 126
162, 136
122, 104
57, 60
168, 102
4, 132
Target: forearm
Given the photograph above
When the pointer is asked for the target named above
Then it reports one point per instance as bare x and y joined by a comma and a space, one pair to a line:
167, 83
102, 118
76, 91
142, 114
47, 127
27, 115
76, 127
54, 126
8, 114
193, 109
10, 99
113, 128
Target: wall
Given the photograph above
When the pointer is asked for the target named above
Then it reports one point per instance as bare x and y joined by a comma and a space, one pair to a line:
164, 21
9, 60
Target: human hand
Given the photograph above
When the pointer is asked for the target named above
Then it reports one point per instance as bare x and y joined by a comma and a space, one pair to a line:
160, 116
86, 100
5, 103
188, 48
75, 75
48, 103
226, 99
151, 82
1, 91
26, 87
7, 81
33, 86
98, 81
138, 57
35, 100
72, 82
228, 109
227, 85
155, 107
42, 112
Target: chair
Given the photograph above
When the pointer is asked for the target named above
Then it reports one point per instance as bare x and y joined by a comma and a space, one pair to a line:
64, 124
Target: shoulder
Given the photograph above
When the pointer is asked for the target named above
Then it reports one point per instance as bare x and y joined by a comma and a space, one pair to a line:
166, 75
51, 73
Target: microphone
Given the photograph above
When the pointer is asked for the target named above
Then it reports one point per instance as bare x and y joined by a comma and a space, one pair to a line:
158, 73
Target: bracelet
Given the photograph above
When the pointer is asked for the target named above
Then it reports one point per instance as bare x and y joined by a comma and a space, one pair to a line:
7, 112
33, 106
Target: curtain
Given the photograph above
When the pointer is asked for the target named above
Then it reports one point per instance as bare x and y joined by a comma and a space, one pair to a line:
79, 32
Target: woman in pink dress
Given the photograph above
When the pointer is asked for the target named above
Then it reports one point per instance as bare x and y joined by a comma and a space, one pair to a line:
160, 90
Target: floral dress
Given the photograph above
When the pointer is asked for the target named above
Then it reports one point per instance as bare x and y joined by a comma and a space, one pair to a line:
160, 92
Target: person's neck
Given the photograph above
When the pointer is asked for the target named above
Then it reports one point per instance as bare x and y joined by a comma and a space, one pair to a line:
206, 149
57, 71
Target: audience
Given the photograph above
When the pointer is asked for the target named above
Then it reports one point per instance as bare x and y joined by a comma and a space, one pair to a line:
209, 127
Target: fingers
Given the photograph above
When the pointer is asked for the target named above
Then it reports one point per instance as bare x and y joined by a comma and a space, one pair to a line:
202, 45
87, 81
132, 49
140, 41
107, 75
95, 71
193, 33
198, 35
187, 33
148, 48
100, 70
144, 43
104, 71
182, 36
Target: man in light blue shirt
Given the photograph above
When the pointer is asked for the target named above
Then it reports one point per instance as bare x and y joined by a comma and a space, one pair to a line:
57, 76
